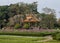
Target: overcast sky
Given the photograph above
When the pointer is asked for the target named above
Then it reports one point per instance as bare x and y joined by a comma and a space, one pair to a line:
53, 4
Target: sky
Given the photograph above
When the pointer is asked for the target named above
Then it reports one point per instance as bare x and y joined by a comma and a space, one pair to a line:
53, 4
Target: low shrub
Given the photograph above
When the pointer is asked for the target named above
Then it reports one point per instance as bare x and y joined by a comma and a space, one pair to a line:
17, 26
26, 26
56, 36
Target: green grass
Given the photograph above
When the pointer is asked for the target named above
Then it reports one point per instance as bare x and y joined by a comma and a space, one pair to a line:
53, 41
23, 39
19, 39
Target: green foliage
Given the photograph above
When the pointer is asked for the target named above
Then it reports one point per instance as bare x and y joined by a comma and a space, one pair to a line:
26, 26
56, 36
25, 33
7, 12
17, 26
46, 20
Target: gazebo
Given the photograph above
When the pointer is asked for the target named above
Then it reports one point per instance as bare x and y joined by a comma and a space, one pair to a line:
32, 20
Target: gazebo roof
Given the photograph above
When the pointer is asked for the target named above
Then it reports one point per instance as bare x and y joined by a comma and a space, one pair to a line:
31, 18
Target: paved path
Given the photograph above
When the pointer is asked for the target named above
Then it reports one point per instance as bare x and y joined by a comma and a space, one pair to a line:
48, 38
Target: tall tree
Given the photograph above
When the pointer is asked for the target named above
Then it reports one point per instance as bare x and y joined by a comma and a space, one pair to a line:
50, 18
3, 16
48, 10
58, 23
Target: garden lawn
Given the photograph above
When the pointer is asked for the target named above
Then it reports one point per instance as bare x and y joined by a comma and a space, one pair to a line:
23, 39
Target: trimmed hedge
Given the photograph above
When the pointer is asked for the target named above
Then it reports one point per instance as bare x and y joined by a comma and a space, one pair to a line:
28, 33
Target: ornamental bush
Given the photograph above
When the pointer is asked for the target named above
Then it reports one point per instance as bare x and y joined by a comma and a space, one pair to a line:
26, 26
56, 36
17, 26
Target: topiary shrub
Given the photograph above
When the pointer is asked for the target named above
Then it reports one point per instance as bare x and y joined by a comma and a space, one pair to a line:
17, 26
26, 26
